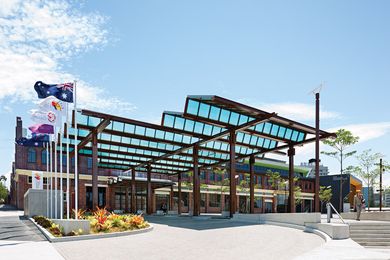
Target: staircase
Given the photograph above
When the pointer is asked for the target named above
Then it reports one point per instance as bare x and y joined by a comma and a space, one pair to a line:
371, 234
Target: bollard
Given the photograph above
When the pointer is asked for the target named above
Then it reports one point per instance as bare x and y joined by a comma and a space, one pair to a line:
328, 212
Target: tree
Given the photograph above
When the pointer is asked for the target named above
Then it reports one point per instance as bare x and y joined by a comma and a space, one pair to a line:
243, 187
325, 195
368, 170
3, 192
340, 145
3, 178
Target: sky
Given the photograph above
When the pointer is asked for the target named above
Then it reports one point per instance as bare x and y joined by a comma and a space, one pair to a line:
139, 58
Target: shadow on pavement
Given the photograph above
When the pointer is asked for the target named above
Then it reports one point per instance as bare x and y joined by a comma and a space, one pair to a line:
195, 223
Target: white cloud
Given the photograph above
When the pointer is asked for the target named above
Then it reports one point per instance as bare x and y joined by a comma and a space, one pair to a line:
36, 37
368, 131
297, 111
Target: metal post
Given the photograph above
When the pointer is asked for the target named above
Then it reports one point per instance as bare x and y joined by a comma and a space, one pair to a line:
76, 165
291, 197
61, 190
47, 179
232, 167
171, 201
55, 179
51, 179
328, 212
317, 166
196, 184
95, 196
252, 184
179, 193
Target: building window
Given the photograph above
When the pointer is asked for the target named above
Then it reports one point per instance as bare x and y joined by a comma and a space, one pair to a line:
202, 175
258, 202
72, 161
44, 156
89, 163
32, 155
215, 200
203, 199
212, 176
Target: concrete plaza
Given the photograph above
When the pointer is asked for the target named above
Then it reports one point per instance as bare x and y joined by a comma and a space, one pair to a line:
180, 238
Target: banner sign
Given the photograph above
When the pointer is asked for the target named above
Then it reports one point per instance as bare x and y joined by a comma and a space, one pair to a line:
37, 180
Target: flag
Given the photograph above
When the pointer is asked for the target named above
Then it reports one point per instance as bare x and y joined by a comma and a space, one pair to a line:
63, 92
46, 117
52, 104
42, 129
34, 141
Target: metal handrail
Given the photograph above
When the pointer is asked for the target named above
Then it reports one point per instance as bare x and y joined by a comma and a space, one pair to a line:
330, 204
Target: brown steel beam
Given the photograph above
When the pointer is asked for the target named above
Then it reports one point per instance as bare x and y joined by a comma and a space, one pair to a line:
212, 138
252, 184
149, 191
291, 197
171, 199
133, 191
95, 169
317, 166
232, 168
179, 193
196, 183
96, 130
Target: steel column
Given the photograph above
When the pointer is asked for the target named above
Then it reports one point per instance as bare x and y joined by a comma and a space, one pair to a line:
232, 167
252, 184
149, 191
171, 199
291, 197
133, 191
380, 183
179, 193
196, 184
95, 202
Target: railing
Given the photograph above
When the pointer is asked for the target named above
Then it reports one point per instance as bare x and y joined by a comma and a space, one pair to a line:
329, 212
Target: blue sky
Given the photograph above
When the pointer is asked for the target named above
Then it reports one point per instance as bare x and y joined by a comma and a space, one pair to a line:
139, 58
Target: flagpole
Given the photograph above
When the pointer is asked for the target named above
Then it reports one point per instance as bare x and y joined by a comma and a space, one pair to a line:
51, 178
55, 174
76, 152
67, 162
47, 179
62, 192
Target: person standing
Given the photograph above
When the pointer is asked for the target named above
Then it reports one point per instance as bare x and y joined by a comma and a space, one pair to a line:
358, 204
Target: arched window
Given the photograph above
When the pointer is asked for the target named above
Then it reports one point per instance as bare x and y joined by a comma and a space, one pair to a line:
32, 155
43, 156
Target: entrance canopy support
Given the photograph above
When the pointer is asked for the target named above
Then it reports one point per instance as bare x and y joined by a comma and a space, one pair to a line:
252, 184
232, 167
291, 197
196, 184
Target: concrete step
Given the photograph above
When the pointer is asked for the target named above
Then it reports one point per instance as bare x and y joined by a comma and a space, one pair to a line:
353, 235
373, 239
376, 244
369, 231
361, 227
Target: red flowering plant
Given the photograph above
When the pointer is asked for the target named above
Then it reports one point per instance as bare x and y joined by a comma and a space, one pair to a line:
101, 216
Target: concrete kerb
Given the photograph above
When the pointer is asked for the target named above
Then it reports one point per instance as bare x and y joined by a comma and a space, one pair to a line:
308, 222
54, 239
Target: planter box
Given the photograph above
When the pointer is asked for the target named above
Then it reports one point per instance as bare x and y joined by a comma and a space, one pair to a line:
54, 239
73, 225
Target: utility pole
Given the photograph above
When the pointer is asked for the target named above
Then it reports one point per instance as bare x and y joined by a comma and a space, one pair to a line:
317, 186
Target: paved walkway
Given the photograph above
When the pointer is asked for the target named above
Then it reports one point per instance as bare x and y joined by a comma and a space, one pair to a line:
20, 239
197, 238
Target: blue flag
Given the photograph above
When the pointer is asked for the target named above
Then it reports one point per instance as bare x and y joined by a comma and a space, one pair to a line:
63, 92
34, 141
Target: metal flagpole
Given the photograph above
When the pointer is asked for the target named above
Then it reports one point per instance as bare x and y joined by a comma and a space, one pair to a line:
67, 161
51, 178
76, 153
47, 179
55, 174
61, 190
